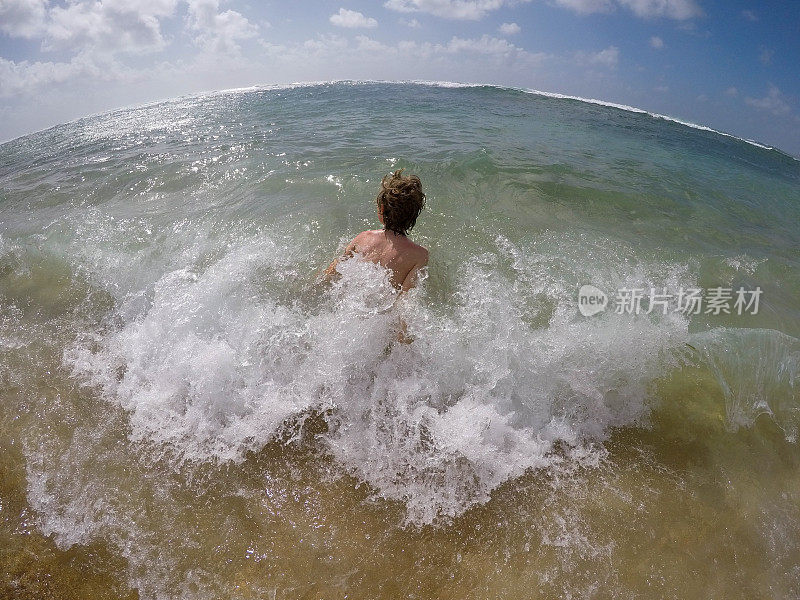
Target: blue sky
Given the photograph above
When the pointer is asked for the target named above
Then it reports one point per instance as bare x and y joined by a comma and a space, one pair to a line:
731, 65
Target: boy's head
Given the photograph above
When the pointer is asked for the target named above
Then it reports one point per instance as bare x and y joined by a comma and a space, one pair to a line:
400, 201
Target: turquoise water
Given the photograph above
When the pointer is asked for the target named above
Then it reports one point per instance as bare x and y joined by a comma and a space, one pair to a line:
187, 412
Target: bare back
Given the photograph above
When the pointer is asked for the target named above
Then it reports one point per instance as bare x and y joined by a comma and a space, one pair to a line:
392, 251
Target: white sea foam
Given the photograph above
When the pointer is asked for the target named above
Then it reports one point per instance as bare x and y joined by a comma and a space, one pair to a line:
216, 361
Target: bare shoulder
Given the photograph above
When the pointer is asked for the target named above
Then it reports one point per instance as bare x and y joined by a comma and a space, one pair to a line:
363, 239
420, 252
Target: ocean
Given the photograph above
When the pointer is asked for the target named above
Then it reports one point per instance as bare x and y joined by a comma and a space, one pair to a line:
187, 411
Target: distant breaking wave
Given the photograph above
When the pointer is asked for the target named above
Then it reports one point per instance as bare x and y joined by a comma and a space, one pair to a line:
456, 84
624, 107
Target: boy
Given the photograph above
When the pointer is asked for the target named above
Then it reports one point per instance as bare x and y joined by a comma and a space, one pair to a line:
399, 203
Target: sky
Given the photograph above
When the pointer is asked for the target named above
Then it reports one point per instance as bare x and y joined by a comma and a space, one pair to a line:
733, 65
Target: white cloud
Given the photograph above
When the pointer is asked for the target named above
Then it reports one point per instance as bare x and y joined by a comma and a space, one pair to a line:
732, 92
450, 9
352, 19
22, 18
324, 44
587, 7
412, 23
121, 26
367, 44
485, 50
91, 35
765, 56
509, 29
25, 77
749, 15
218, 31
486, 45
88, 34
656, 42
110, 25
673, 9
774, 102
604, 58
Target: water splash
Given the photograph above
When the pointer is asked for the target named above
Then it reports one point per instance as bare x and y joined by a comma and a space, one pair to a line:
758, 371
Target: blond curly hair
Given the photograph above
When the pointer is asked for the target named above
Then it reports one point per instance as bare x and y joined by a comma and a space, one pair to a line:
400, 201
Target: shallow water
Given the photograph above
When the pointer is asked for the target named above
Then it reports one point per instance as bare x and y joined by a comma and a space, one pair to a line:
186, 412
